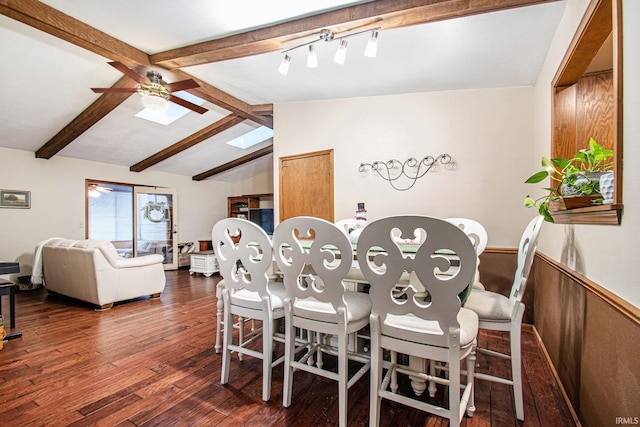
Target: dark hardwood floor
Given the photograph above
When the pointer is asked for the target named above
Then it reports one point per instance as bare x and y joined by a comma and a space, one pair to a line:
152, 362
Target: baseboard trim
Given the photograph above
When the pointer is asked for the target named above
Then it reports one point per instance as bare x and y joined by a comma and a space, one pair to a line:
501, 250
622, 306
554, 373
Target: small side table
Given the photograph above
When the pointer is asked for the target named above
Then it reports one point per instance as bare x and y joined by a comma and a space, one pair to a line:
204, 262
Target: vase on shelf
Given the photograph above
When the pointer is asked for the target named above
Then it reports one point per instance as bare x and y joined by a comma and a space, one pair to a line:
607, 187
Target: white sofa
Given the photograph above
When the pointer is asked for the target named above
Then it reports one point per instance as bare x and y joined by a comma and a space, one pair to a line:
92, 271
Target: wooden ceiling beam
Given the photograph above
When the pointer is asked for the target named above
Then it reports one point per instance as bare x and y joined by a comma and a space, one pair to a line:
188, 142
224, 100
386, 14
235, 163
89, 117
263, 109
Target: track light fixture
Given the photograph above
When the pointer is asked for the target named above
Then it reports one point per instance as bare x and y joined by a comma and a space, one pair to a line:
341, 54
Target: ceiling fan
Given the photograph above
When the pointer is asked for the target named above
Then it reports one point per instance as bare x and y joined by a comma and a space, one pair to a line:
94, 190
155, 92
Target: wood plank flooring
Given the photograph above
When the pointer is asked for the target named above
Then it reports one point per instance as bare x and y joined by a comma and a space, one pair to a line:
152, 363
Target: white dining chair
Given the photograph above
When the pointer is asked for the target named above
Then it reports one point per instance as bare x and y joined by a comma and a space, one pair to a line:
500, 313
314, 257
437, 329
236, 324
245, 254
479, 237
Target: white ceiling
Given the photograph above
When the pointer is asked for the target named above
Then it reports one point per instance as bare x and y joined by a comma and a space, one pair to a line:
46, 81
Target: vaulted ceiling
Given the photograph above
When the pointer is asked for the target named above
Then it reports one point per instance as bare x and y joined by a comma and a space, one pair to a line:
54, 51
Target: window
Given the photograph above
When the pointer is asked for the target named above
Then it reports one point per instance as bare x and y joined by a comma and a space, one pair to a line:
110, 214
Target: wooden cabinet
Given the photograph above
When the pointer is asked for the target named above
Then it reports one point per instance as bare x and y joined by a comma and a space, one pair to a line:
257, 208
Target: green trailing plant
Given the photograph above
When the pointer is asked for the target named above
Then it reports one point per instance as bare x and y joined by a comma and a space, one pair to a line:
570, 175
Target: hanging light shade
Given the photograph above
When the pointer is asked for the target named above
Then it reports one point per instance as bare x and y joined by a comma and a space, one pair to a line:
312, 59
284, 65
154, 103
372, 45
341, 53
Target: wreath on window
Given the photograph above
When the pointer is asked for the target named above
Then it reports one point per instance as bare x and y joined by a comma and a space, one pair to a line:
156, 212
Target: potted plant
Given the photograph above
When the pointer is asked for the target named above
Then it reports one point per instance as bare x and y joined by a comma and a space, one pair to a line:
575, 177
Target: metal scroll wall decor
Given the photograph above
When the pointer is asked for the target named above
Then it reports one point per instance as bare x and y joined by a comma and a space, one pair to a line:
411, 169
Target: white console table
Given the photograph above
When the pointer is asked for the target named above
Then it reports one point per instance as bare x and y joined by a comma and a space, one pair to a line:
204, 262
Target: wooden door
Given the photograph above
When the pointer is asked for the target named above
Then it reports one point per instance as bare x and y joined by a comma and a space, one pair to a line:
306, 185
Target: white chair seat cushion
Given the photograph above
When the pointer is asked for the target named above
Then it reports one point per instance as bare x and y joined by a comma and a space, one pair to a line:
478, 285
245, 297
490, 306
358, 303
467, 318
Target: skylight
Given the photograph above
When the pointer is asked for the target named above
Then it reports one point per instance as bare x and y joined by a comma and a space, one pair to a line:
173, 111
252, 138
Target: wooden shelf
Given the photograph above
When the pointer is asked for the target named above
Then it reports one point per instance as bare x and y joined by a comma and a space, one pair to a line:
601, 215
259, 209
240, 205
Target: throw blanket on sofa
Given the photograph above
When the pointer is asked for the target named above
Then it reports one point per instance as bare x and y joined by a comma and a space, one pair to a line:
36, 273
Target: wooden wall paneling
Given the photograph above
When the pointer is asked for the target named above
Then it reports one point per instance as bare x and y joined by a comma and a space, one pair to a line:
591, 338
610, 372
595, 109
564, 123
559, 311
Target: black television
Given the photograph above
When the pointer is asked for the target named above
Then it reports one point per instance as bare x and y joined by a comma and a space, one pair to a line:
263, 217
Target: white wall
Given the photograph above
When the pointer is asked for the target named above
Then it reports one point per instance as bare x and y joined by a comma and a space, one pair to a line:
58, 200
487, 132
258, 184
608, 255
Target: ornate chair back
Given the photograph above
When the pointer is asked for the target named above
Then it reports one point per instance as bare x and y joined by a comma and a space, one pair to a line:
382, 263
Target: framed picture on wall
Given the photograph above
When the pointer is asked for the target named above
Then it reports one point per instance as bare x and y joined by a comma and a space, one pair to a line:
15, 199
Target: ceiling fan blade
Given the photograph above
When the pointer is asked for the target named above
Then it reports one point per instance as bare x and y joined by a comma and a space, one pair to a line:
129, 72
182, 85
187, 104
114, 89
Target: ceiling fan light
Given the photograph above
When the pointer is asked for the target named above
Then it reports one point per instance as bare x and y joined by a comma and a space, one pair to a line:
93, 190
372, 45
284, 65
341, 53
155, 104
312, 59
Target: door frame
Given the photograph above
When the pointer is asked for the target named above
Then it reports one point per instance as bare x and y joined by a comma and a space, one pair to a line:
172, 232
